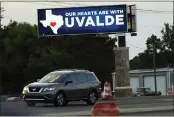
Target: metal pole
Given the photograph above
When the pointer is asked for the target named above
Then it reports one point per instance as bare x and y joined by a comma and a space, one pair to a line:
173, 40
173, 20
0, 46
0, 14
154, 63
173, 64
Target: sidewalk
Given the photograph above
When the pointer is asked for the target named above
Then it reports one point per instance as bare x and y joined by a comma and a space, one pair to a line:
122, 111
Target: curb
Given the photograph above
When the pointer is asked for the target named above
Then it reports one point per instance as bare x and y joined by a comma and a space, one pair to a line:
140, 110
122, 111
122, 114
14, 99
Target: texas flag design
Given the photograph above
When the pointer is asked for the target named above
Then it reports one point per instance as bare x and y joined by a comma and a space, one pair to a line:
53, 21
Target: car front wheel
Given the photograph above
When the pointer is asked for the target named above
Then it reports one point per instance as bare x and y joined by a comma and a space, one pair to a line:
60, 100
92, 98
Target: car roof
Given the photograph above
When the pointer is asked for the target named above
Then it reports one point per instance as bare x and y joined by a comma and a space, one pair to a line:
61, 72
67, 71
143, 88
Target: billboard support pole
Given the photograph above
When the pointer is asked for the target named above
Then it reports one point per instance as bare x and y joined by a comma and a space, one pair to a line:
123, 88
121, 52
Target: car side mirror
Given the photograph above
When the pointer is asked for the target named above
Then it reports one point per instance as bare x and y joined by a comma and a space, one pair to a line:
38, 80
68, 82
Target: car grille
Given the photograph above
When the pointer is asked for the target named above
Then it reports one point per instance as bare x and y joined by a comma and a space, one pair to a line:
34, 89
34, 97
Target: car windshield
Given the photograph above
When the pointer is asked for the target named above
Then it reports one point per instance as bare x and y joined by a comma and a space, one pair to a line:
140, 89
148, 89
51, 78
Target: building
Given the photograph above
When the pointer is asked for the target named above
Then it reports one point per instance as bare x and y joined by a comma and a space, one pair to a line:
145, 78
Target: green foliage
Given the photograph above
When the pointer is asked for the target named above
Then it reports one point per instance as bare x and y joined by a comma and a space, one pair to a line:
26, 57
168, 38
164, 47
1, 16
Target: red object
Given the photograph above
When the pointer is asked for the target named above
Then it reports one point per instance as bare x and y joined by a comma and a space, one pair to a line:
107, 94
52, 24
105, 109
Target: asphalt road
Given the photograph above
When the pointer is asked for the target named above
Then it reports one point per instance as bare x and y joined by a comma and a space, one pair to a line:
21, 109
159, 113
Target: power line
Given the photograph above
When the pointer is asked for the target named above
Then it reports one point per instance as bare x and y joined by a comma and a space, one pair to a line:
56, 4
144, 10
156, 11
134, 46
139, 10
75, 1
41, 2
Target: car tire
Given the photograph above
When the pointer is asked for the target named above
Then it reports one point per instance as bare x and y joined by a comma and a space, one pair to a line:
60, 100
92, 98
31, 103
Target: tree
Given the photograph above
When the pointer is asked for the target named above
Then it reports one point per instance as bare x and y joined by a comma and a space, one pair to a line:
27, 57
167, 38
154, 40
1, 16
165, 51
1, 42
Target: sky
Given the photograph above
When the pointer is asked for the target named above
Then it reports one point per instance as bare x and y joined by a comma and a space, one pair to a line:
148, 22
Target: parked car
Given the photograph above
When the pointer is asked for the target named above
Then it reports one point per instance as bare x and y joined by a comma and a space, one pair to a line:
146, 92
61, 86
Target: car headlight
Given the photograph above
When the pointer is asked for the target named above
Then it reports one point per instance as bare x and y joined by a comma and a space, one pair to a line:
49, 89
25, 90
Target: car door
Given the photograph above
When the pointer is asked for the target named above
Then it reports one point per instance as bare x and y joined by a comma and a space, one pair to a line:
82, 85
91, 82
71, 88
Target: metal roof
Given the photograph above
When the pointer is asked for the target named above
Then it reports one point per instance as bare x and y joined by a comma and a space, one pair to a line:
150, 70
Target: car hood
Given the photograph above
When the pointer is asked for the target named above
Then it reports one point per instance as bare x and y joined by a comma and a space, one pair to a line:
37, 84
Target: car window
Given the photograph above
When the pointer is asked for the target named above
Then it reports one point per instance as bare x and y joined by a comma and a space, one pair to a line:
81, 77
140, 89
50, 78
90, 77
72, 77
148, 89
61, 79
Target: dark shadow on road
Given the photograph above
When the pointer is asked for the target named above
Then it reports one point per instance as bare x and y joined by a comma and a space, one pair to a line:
69, 105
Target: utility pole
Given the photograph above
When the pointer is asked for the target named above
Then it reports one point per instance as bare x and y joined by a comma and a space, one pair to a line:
173, 40
0, 46
154, 63
173, 20
0, 14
